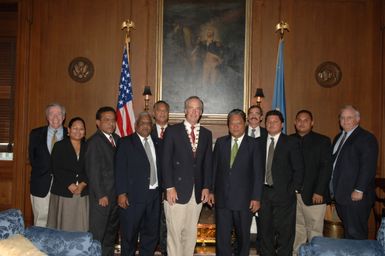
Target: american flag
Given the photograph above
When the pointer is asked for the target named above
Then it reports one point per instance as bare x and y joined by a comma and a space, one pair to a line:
125, 113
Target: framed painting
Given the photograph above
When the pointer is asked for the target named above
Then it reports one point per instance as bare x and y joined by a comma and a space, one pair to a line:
203, 50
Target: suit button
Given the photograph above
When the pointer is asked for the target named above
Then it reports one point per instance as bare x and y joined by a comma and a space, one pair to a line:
229, 173
179, 178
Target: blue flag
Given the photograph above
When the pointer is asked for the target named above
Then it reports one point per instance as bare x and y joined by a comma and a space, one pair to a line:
279, 102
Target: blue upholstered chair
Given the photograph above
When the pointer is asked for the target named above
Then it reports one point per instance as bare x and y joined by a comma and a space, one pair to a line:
50, 241
323, 246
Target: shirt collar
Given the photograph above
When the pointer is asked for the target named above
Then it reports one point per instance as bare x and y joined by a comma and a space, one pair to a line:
239, 140
276, 137
160, 127
188, 125
142, 138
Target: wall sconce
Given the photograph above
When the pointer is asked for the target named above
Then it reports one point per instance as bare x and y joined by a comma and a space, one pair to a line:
259, 95
146, 93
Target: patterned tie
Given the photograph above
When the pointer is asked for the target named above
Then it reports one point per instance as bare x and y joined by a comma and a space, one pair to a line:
234, 151
253, 133
161, 133
54, 139
270, 156
192, 134
151, 160
112, 141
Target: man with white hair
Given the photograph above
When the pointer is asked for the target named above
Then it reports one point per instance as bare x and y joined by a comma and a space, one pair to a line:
41, 142
355, 153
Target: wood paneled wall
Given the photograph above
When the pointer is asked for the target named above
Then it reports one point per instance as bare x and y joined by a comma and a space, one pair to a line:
52, 33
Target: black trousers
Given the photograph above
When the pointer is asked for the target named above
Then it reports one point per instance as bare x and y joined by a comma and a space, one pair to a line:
277, 224
355, 218
163, 231
259, 236
226, 220
104, 225
141, 220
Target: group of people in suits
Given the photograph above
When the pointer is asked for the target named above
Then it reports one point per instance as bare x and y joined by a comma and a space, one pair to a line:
156, 180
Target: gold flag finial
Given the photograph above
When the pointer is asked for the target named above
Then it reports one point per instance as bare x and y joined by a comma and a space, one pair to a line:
128, 25
281, 27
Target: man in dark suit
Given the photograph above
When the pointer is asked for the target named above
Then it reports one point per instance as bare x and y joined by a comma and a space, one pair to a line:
254, 119
355, 153
104, 217
187, 174
237, 184
161, 114
283, 178
41, 141
311, 202
137, 187
254, 130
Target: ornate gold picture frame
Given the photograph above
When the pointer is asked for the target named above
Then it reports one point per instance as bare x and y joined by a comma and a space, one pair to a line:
203, 49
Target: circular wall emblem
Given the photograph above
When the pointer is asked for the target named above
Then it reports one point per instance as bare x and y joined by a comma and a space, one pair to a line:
328, 74
81, 69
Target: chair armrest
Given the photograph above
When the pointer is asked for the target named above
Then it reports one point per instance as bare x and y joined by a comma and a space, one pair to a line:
60, 243
11, 223
323, 246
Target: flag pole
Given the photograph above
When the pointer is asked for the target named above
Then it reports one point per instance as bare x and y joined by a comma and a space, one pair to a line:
279, 99
128, 25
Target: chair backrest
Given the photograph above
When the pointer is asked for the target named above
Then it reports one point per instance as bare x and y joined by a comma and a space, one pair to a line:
381, 234
379, 206
11, 223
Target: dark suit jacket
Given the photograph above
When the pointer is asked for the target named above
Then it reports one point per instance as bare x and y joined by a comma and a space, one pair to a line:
154, 132
100, 156
180, 169
39, 157
159, 145
287, 168
66, 168
317, 156
356, 166
235, 187
132, 169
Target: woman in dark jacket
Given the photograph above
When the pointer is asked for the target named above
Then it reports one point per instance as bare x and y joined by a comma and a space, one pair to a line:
68, 207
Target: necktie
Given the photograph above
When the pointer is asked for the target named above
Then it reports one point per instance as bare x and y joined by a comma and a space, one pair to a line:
112, 141
340, 145
234, 151
270, 156
161, 133
54, 139
253, 133
192, 134
335, 156
151, 160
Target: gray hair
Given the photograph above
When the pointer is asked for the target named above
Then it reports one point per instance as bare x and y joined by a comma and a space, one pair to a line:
141, 115
236, 112
55, 104
192, 98
350, 107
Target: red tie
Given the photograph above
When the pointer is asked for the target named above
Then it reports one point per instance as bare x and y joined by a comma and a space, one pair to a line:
112, 141
161, 132
192, 134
